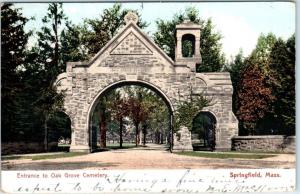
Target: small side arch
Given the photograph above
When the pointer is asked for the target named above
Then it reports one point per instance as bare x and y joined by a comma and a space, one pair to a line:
204, 131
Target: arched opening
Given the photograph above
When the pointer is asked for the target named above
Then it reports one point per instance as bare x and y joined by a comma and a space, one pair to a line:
204, 131
188, 45
112, 122
59, 132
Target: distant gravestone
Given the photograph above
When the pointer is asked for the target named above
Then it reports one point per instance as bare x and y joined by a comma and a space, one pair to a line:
182, 140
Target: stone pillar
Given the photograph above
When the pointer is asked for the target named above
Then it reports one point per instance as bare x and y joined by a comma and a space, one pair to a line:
80, 142
183, 140
79, 148
197, 47
141, 137
179, 47
80, 125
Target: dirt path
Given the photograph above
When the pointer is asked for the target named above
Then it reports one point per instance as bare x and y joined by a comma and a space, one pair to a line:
150, 158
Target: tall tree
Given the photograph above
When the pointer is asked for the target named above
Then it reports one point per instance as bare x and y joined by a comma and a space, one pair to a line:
102, 124
261, 54
254, 97
138, 115
282, 65
103, 114
212, 57
270, 104
49, 58
49, 41
71, 44
235, 68
255, 94
119, 111
97, 32
13, 43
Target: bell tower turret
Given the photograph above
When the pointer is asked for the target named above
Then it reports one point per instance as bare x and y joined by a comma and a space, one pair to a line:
187, 50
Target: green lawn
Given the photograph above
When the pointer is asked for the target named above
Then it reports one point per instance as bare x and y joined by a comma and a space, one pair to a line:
226, 155
117, 146
45, 156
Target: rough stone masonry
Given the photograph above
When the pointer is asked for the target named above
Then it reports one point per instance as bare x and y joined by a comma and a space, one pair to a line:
131, 57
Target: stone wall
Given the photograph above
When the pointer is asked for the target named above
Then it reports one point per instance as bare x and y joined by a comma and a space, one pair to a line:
21, 147
269, 143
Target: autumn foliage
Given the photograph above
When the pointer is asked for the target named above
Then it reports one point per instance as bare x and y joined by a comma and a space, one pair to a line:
255, 96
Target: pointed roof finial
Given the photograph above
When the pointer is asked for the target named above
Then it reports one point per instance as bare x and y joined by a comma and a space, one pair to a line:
186, 21
131, 17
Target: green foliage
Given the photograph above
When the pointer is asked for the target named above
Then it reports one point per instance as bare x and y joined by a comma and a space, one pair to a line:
204, 126
211, 49
261, 53
188, 109
71, 44
49, 57
135, 106
159, 115
212, 57
13, 44
49, 49
187, 49
34, 72
282, 65
59, 125
235, 68
265, 98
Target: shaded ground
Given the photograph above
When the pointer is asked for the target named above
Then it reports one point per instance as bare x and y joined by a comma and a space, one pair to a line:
152, 157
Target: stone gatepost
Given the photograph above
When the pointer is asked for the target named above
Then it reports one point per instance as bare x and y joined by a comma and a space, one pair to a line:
182, 140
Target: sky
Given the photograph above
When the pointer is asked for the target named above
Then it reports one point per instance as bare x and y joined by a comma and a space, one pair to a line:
239, 23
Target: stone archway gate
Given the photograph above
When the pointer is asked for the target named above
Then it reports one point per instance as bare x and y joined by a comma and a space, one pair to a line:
131, 56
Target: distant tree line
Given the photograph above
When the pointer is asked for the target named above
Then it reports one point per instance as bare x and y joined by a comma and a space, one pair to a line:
131, 105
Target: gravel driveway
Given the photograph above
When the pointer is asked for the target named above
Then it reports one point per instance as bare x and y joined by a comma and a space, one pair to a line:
156, 158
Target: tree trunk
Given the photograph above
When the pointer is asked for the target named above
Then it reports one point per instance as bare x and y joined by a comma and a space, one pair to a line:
144, 138
121, 134
137, 139
102, 130
46, 134
157, 137
140, 136
144, 131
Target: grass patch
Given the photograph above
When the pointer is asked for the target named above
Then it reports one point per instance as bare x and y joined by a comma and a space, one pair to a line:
63, 155
117, 146
261, 152
226, 155
63, 145
45, 156
15, 157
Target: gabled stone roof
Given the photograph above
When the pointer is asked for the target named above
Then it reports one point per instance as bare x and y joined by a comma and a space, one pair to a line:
119, 47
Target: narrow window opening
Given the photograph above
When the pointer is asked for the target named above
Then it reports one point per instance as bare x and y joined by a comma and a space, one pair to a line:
188, 45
